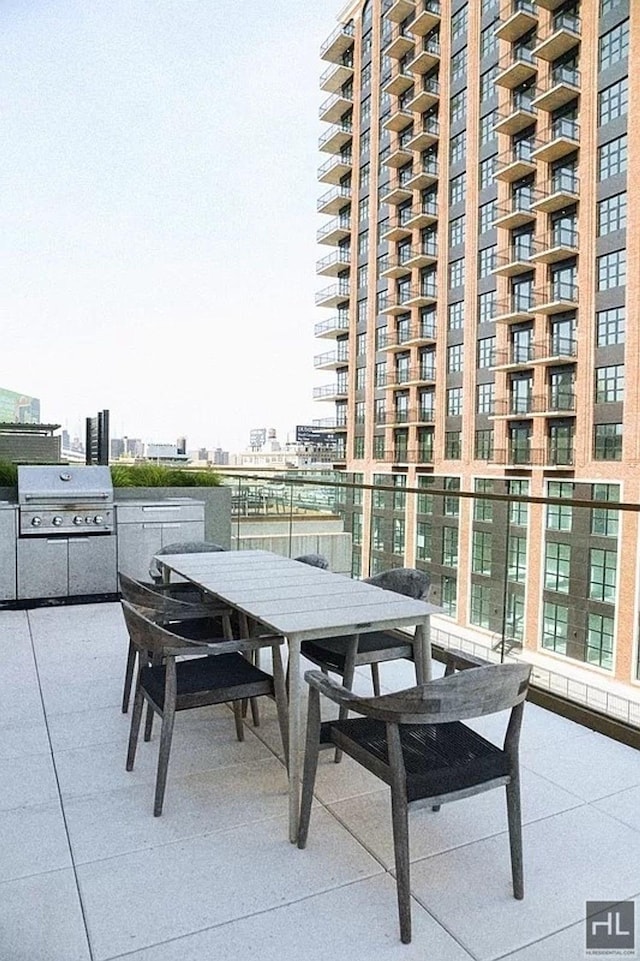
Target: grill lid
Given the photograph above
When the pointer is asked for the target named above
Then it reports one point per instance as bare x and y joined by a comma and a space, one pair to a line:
63, 483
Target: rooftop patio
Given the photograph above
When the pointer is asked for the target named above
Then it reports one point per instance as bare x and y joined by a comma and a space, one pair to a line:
88, 873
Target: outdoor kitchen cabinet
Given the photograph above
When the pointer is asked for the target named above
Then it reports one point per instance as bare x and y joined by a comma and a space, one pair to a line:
8, 514
143, 527
66, 566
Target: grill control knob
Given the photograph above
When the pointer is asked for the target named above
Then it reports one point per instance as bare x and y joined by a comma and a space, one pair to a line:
36, 521
98, 519
77, 520
57, 521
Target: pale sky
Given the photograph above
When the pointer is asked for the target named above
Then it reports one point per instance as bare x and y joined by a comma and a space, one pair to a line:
158, 211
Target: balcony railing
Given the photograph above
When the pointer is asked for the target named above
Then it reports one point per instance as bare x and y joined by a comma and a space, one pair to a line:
338, 42
427, 17
556, 350
560, 191
336, 230
331, 359
333, 295
336, 137
335, 106
335, 168
330, 391
335, 199
427, 55
555, 297
516, 66
564, 36
333, 264
517, 17
332, 327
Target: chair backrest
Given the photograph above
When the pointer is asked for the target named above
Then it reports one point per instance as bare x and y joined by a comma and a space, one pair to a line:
314, 560
403, 580
456, 697
140, 595
149, 636
183, 547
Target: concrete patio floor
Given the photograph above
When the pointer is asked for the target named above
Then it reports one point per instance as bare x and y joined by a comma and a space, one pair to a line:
86, 872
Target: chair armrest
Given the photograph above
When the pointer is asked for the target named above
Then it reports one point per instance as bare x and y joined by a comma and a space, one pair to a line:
330, 689
243, 645
457, 660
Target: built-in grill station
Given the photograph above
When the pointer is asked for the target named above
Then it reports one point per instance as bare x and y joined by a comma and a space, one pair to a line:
66, 541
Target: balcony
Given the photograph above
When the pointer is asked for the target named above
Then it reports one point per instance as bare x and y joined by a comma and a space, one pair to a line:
517, 17
426, 96
555, 402
402, 41
564, 37
513, 309
426, 173
558, 244
516, 67
555, 297
423, 255
562, 190
515, 212
332, 327
513, 259
398, 119
400, 10
84, 854
333, 295
400, 80
411, 375
427, 56
397, 265
561, 457
334, 264
336, 137
416, 334
397, 227
335, 168
521, 115
561, 350
334, 200
397, 193
331, 359
334, 107
335, 231
404, 298
562, 87
335, 391
337, 43
423, 214
334, 77
520, 456
427, 17
516, 162
425, 135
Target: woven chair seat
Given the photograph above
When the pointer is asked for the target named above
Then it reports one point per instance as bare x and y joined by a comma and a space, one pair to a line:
438, 758
223, 673
330, 652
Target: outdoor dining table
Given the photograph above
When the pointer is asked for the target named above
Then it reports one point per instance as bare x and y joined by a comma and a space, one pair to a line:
303, 603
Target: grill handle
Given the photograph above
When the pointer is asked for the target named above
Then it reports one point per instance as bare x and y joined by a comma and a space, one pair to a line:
67, 495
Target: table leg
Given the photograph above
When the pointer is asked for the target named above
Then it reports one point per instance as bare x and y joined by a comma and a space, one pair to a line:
423, 635
295, 686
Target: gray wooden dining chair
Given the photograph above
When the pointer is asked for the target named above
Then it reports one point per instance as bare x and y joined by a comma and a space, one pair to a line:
313, 560
181, 547
187, 674
414, 740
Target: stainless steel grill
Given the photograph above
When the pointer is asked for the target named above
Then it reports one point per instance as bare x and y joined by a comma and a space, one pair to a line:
65, 500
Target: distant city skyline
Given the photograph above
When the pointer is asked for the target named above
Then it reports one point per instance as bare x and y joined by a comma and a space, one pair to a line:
158, 215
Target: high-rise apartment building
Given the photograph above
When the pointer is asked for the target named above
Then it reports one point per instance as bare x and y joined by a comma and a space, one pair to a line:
483, 243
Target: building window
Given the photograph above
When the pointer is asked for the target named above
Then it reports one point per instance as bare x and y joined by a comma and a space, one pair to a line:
600, 641
377, 532
487, 83
480, 605
378, 447
486, 350
487, 127
484, 444
610, 326
488, 40
456, 231
398, 535
455, 357
486, 216
456, 315
605, 522
459, 64
458, 188
365, 111
602, 577
360, 412
481, 552
423, 541
609, 384
456, 273
485, 398
607, 442
361, 376
612, 158
486, 261
482, 507
612, 270
557, 563
555, 627
363, 242
459, 22
614, 45
559, 516
613, 101
449, 597
450, 546
517, 563
358, 447
458, 106
486, 305
612, 214
452, 445
457, 147
381, 374
454, 401
362, 309
606, 6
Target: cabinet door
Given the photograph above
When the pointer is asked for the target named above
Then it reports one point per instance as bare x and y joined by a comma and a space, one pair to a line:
178, 533
137, 543
8, 554
42, 567
92, 565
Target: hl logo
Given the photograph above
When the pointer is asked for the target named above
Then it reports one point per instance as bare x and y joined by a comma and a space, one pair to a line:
610, 928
